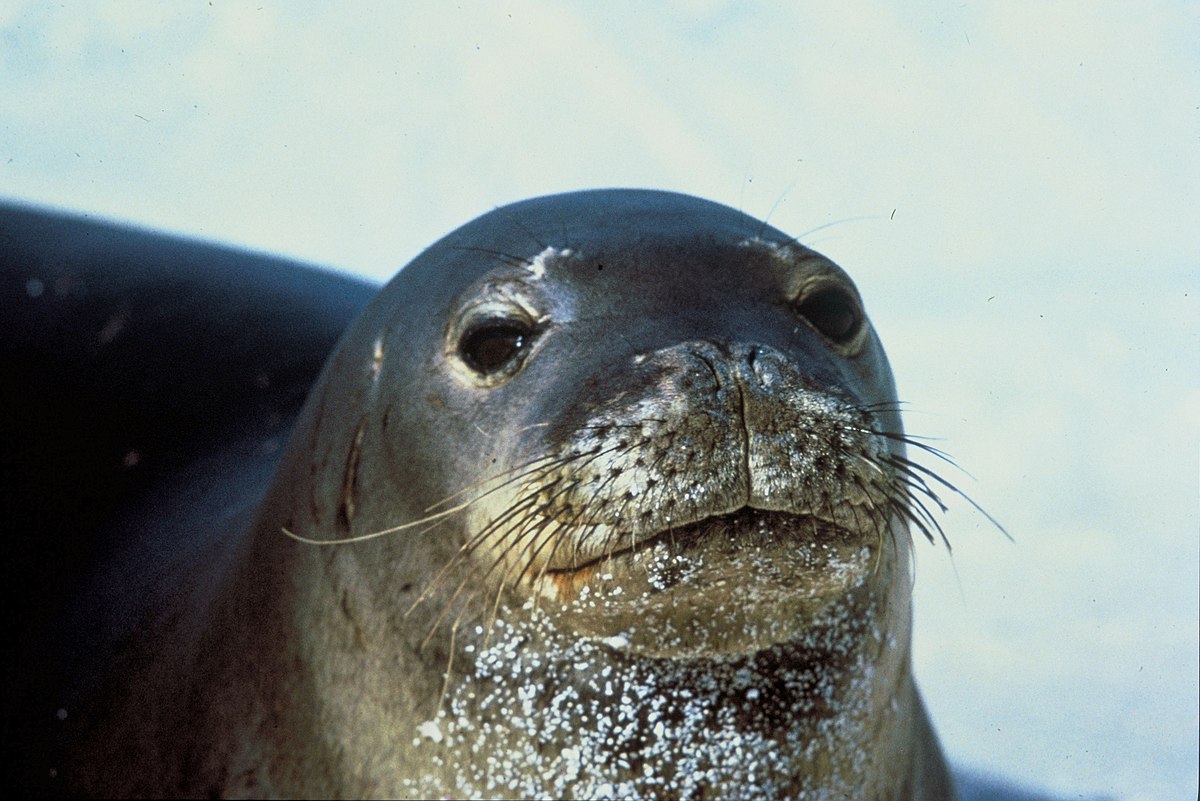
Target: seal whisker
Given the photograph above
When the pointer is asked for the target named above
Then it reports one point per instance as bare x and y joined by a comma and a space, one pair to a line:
918, 506
883, 406
465, 549
491, 620
554, 542
506, 258
902, 507
914, 440
900, 485
370, 536
873, 520
913, 474
540, 522
545, 520
514, 520
528, 468
386, 531
913, 488
446, 607
795, 240
912, 484
474, 542
449, 665
526, 530
557, 542
517, 223
931, 474
520, 507
906, 496
527, 506
477, 592
612, 540
854, 507
585, 458
534, 545
922, 443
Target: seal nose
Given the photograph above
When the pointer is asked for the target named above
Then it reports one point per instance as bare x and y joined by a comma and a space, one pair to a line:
743, 379
699, 429
735, 359
781, 412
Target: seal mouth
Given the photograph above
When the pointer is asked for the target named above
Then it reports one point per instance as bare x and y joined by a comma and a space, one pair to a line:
728, 583
729, 533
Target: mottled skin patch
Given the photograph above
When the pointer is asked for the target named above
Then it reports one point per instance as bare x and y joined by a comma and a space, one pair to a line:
548, 714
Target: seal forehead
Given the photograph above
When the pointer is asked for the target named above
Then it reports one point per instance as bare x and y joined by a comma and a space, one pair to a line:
596, 221
536, 267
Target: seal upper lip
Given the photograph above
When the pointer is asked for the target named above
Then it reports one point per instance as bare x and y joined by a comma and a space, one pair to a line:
744, 528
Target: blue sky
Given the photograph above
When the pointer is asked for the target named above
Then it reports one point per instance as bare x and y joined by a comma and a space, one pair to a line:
1015, 187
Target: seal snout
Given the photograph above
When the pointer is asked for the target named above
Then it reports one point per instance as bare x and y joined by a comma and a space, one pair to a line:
713, 431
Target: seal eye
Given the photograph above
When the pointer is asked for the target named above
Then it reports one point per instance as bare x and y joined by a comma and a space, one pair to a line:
834, 312
492, 345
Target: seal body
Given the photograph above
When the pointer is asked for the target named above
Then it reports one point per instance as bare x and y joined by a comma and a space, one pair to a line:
150, 384
605, 494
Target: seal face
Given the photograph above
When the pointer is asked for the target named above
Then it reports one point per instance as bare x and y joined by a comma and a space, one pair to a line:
605, 494
704, 464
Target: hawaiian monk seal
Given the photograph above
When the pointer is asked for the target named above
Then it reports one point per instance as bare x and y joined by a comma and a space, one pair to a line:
613, 500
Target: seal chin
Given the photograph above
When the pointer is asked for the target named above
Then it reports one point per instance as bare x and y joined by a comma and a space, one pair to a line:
727, 585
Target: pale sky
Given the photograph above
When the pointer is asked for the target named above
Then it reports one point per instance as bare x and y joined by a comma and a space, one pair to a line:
1014, 185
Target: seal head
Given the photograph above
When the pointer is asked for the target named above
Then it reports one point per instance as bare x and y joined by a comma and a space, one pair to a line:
640, 493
